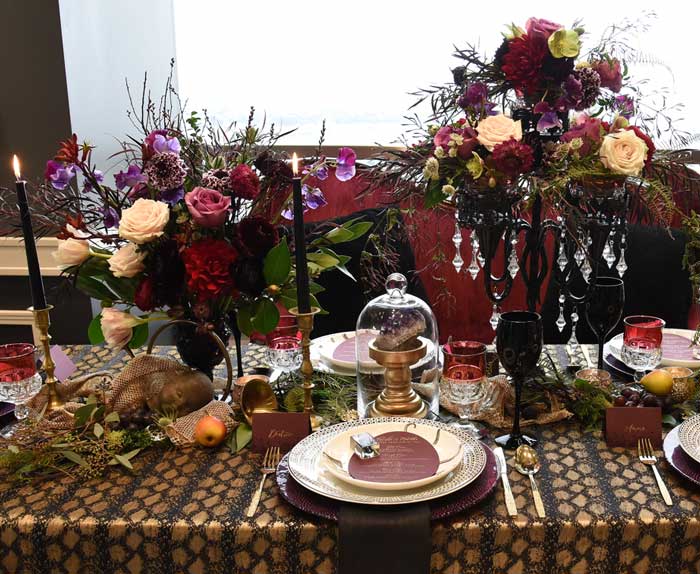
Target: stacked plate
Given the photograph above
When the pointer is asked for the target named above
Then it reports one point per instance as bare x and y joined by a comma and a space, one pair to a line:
315, 476
682, 449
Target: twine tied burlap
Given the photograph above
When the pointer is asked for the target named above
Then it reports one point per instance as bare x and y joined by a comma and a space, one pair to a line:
181, 432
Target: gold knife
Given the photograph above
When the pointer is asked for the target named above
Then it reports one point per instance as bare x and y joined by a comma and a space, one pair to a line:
503, 471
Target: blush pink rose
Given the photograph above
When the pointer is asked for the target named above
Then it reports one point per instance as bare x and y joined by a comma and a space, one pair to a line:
117, 327
208, 207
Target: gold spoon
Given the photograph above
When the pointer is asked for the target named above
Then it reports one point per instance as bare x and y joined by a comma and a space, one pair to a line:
527, 463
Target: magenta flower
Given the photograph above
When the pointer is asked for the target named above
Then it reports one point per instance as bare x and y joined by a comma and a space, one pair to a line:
541, 28
345, 167
58, 174
130, 178
624, 105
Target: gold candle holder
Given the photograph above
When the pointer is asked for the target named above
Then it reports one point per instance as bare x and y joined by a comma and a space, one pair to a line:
305, 322
42, 322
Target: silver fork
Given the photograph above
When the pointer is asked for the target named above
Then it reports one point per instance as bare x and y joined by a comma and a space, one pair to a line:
270, 462
646, 455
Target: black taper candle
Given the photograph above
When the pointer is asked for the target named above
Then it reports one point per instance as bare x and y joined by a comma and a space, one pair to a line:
302, 270
35, 281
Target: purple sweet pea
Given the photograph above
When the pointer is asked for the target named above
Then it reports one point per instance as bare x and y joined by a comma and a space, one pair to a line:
313, 197
110, 217
624, 105
474, 96
162, 144
58, 174
549, 118
345, 168
172, 196
99, 178
130, 178
139, 190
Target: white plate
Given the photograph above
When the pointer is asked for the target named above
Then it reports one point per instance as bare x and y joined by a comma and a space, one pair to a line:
307, 469
614, 347
338, 448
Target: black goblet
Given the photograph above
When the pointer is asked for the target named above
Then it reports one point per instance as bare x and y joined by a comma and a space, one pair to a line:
519, 344
604, 306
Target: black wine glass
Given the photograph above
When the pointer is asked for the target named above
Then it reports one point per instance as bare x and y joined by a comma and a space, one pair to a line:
604, 307
519, 344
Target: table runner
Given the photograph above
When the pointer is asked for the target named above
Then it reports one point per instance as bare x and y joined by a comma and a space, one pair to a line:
183, 511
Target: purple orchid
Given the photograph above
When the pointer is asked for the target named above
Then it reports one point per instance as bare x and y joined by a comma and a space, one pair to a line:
110, 217
172, 196
345, 167
162, 144
59, 174
548, 119
624, 105
130, 178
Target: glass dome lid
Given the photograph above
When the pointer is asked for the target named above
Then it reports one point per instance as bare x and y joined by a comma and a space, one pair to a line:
397, 354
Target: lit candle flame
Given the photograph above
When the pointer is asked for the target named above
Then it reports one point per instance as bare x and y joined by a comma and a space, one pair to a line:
295, 164
15, 166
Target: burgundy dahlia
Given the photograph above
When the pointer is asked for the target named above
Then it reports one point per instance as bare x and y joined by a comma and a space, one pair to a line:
256, 235
522, 63
165, 171
244, 182
512, 158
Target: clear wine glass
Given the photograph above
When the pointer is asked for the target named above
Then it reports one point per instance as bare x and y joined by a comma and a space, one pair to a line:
19, 380
641, 347
284, 346
464, 370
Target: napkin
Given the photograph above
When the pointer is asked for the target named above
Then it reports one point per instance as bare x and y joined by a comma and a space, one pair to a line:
386, 540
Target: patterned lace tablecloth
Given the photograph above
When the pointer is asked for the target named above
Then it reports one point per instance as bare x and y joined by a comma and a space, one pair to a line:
183, 511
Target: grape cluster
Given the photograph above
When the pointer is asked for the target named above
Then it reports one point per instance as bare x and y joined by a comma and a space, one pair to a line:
634, 397
135, 418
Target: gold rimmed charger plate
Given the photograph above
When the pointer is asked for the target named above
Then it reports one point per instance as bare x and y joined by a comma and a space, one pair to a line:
308, 467
689, 437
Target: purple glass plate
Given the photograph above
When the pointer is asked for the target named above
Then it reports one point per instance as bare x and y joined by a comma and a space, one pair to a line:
318, 505
679, 460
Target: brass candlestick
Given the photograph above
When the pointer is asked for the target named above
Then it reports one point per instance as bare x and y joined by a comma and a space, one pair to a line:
42, 322
305, 321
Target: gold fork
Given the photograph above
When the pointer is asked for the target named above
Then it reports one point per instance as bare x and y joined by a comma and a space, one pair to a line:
646, 455
269, 465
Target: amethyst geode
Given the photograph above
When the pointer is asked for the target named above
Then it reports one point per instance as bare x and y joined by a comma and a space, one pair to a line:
400, 329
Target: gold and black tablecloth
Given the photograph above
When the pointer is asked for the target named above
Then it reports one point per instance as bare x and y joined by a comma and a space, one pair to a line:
183, 511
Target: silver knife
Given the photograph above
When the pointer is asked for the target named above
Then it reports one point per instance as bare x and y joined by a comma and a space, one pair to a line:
503, 471
587, 356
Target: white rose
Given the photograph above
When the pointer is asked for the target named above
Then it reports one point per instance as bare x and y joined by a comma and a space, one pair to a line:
493, 130
117, 327
144, 221
623, 152
127, 262
71, 252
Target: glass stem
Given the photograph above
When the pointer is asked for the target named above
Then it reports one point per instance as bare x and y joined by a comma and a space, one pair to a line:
21, 411
516, 416
601, 344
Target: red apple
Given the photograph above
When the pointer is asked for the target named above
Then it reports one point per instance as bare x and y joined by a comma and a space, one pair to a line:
210, 431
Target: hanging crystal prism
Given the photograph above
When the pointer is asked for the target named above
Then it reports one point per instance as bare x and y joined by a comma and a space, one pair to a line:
458, 262
561, 320
622, 263
474, 265
513, 266
562, 260
494, 317
480, 259
609, 252
586, 269
573, 341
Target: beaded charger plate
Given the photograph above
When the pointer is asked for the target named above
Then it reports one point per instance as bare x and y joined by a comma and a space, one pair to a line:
307, 466
689, 437
679, 461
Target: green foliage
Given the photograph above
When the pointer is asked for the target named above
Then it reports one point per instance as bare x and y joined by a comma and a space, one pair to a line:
95, 334
239, 439
277, 264
265, 316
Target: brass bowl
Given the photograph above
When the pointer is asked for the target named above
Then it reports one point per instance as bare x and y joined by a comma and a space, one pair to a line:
257, 397
683, 383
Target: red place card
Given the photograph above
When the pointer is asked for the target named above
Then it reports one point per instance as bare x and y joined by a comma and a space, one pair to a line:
279, 429
403, 456
624, 426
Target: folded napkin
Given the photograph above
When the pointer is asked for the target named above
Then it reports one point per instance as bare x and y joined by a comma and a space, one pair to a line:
385, 540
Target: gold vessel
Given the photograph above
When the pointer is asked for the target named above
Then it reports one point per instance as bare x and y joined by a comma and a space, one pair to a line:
257, 397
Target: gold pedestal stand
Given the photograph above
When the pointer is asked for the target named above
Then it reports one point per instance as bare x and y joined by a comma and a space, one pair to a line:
42, 322
398, 397
305, 322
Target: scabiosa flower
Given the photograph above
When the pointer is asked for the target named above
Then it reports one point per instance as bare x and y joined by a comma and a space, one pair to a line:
165, 171
217, 179
590, 87
512, 158
244, 182
59, 174
131, 178
345, 167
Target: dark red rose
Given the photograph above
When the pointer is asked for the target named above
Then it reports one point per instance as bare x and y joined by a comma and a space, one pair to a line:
512, 158
244, 182
208, 268
143, 298
651, 148
522, 63
257, 235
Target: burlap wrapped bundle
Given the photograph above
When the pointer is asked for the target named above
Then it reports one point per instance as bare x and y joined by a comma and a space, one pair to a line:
181, 432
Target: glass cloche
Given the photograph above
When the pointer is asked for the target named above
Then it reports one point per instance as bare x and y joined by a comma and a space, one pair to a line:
398, 368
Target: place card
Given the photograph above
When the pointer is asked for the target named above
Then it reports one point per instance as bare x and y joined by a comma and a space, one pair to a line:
403, 457
279, 429
624, 426
64, 366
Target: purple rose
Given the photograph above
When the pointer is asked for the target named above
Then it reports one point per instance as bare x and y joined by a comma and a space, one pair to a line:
610, 74
345, 166
131, 178
541, 28
208, 207
59, 174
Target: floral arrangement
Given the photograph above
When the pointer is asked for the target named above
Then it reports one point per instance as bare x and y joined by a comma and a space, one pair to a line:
540, 114
190, 226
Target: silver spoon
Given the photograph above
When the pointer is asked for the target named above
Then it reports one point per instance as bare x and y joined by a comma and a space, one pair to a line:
527, 463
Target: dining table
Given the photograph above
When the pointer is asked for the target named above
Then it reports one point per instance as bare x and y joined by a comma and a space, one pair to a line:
184, 510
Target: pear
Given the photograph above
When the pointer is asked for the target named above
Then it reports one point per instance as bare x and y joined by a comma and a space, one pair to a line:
659, 383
